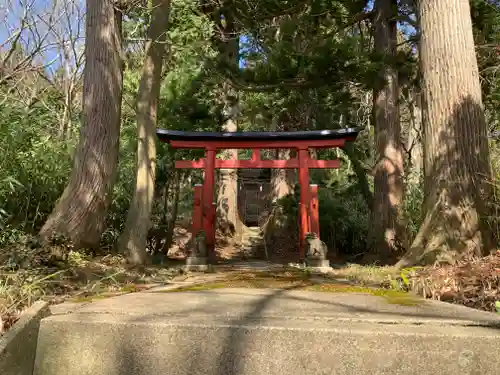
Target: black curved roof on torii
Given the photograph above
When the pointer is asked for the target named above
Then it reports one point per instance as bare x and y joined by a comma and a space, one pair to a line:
177, 135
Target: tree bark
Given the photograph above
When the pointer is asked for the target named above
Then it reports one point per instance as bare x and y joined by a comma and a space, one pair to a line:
133, 240
282, 180
228, 222
456, 154
387, 229
81, 211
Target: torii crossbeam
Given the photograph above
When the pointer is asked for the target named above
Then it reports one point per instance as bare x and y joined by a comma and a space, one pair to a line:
302, 141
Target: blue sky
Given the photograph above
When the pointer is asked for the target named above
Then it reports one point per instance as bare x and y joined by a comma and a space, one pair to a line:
49, 21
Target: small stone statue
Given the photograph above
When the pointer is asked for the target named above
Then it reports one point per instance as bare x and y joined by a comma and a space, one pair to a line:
200, 245
316, 249
197, 259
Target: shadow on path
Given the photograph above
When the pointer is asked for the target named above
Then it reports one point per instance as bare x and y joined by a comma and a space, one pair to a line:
232, 355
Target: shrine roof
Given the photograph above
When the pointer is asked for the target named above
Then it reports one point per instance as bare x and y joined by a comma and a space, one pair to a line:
310, 135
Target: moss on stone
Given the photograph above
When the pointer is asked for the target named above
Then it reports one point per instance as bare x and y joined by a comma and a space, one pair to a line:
339, 288
89, 298
397, 297
391, 296
195, 288
129, 288
264, 280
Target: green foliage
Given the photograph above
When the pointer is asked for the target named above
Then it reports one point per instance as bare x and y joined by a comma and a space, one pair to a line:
34, 171
308, 65
344, 220
486, 22
344, 216
413, 207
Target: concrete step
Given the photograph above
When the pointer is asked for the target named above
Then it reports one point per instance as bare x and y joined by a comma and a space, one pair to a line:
267, 332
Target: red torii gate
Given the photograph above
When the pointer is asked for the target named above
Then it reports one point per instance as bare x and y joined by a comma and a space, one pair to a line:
302, 141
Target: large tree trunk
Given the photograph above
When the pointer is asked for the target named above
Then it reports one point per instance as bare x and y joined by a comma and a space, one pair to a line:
133, 240
456, 154
282, 180
228, 222
81, 211
387, 229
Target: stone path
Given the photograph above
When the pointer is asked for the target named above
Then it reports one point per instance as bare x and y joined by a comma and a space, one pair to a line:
264, 331
256, 265
267, 331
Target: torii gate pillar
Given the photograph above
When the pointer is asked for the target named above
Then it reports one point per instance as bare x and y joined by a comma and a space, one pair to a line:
208, 210
305, 189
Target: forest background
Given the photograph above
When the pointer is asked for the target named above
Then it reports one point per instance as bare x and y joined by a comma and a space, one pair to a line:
84, 85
